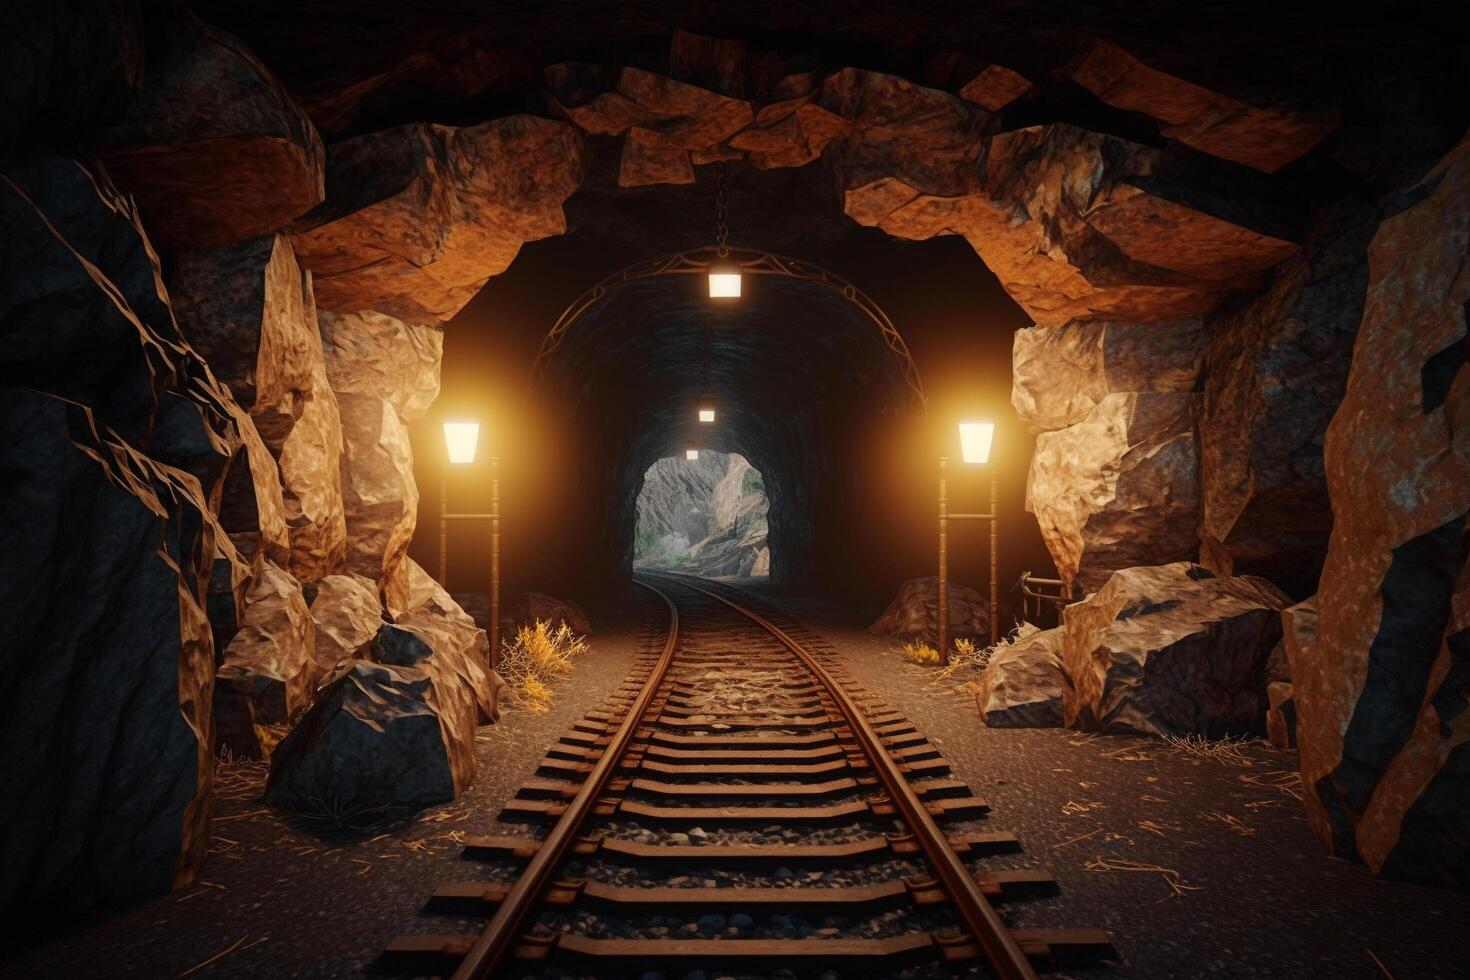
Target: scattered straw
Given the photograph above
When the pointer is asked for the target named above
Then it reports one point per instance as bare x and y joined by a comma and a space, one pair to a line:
1379, 962
1152, 827
1073, 808
220, 955
1283, 781
1226, 751
1074, 840
1234, 823
1176, 885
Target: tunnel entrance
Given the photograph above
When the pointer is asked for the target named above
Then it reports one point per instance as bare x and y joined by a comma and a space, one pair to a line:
706, 516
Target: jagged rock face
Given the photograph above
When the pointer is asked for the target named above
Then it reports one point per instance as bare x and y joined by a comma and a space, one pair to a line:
1119, 487
1024, 684
460, 665
249, 310
115, 436
1275, 369
1171, 649
914, 612
677, 498
418, 217
1280, 715
213, 148
1264, 137
384, 373
346, 616
1381, 692
272, 659
534, 607
371, 739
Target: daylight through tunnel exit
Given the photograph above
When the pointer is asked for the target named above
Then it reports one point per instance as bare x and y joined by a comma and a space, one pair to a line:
704, 513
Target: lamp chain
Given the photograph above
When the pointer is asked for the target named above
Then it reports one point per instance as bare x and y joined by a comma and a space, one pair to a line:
722, 211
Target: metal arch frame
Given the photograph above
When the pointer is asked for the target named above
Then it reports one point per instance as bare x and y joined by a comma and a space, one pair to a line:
749, 261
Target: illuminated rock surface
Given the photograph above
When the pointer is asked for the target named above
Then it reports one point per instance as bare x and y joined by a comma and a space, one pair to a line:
914, 612
1024, 684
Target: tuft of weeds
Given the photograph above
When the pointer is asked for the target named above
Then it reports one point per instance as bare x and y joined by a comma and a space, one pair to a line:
922, 654
536, 656
1226, 751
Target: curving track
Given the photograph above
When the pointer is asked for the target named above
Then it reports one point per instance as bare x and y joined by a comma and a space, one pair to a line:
741, 804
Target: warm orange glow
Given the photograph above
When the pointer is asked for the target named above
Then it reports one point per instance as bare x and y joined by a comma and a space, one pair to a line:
724, 283
975, 440
460, 439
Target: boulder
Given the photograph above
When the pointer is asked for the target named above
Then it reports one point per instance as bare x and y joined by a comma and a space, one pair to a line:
996, 87
532, 607
346, 616
1024, 684
420, 216
914, 612
272, 659
213, 148
249, 310
1275, 369
1264, 136
384, 373
1381, 691
461, 648
1118, 488
1060, 373
113, 434
1171, 649
1280, 716
371, 740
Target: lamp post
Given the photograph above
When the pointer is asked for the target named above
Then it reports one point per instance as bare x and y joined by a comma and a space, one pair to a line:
975, 441
460, 439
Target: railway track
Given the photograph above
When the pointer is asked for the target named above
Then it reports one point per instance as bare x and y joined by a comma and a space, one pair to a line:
740, 804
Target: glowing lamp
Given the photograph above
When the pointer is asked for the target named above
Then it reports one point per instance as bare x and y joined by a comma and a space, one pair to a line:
706, 415
460, 439
706, 410
691, 453
975, 439
724, 281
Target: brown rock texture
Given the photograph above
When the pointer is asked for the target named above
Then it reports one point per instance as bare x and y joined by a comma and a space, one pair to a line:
213, 147
1060, 373
914, 612
1171, 649
249, 310
1119, 487
272, 659
1024, 684
533, 607
1275, 368
417, 218
460, 665
384, 373
1264, 137
346, 615
995, 87
1381, 693
1280, 715
114, 439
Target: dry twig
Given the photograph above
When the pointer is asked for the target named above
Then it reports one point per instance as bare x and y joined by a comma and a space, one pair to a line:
1176, 885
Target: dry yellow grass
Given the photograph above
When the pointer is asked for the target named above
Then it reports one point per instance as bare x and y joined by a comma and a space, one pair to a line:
536, 656
922, 654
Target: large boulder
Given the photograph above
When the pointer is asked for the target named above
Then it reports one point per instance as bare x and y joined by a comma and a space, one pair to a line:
1024, 684
461, 648
385, 373
346, 615
249, 310
914, 612
1381, 692
420, 216
371, 740
272, 659
1120, 488
1171, 649
213, 147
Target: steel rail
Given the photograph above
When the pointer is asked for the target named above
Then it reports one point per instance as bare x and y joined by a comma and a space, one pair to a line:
1001, 950
497, 940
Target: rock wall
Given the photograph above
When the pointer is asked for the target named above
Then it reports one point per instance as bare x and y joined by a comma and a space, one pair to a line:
1381, 693
704, 516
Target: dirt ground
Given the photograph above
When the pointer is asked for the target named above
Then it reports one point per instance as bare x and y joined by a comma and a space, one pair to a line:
1196, 866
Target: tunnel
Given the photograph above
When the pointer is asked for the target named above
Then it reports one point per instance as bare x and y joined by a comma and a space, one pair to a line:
1085, 444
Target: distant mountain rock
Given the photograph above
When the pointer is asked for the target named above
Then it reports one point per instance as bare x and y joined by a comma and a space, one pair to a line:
704, 516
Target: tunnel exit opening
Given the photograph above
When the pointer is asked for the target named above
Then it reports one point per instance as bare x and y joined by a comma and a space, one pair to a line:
705, 516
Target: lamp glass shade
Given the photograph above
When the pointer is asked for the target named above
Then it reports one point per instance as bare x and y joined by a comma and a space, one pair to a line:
691, 454
460, 439
724, 283
975, 439
706, 413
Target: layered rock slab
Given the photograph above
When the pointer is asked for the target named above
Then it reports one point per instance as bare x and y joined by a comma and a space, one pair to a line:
417, 218
1382, 692
346, 615
214, 148
250, 310
271, 661
1171, 649
1024, 685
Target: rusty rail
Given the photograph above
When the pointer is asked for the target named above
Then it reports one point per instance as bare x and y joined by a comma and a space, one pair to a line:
499, 937
1002, 952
